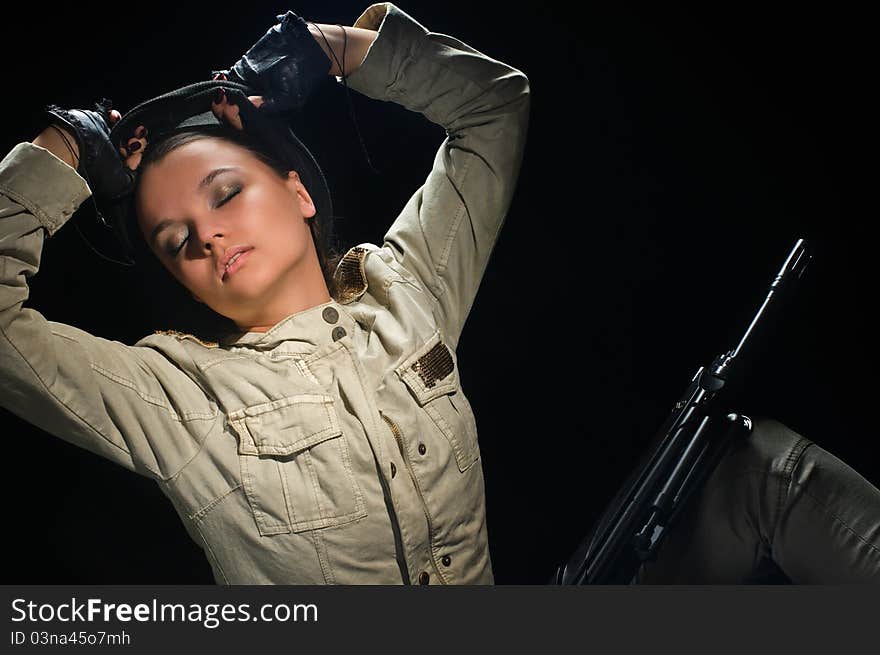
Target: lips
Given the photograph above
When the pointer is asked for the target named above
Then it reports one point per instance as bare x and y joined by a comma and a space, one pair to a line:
236, 255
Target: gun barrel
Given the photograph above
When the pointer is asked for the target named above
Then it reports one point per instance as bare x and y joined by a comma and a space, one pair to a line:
794, 267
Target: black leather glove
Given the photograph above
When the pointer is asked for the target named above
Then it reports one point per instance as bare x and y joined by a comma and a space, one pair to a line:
284, 66
100, 163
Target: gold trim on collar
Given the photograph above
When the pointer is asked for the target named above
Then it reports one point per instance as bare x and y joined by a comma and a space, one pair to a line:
184, 335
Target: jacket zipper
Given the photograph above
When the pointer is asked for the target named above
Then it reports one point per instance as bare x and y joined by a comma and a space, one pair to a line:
398, 437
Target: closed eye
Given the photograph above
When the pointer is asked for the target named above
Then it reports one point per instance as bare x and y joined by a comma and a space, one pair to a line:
175, 251
222, 202
235, 191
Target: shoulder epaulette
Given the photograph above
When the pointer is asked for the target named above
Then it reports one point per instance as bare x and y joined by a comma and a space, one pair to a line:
351, 281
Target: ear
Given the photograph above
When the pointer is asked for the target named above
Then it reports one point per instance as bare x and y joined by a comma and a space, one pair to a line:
304, 200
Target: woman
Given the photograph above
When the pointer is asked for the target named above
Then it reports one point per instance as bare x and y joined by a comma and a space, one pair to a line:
327, 439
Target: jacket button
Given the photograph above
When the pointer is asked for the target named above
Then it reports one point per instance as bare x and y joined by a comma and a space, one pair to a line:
330, 315
447, 560
424, 577
393, 470
338, 332
422, 449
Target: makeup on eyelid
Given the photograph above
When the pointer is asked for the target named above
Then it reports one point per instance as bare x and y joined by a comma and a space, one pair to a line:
225, 197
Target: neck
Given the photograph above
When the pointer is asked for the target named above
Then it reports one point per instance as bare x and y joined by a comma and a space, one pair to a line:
304, 289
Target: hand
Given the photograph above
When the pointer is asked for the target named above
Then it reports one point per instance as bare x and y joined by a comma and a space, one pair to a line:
230, 112
285, 65
133, 149
91, 152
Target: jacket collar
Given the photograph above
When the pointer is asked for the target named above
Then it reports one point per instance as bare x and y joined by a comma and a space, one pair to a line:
303, 332
318, 326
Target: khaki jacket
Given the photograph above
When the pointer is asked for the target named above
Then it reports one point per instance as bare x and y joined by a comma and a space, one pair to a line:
339, 446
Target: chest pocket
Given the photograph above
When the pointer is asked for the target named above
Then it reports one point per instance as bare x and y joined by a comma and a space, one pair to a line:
431, 376
295, 465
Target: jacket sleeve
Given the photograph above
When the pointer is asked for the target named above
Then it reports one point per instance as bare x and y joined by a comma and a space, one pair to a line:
128, 404
447, 230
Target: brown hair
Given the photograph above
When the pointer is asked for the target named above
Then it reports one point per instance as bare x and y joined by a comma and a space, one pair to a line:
187, 314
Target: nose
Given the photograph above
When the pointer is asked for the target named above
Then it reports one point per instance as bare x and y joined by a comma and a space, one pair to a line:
209, 232
209, 243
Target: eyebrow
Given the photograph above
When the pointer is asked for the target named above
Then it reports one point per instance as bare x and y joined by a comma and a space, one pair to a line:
204, 183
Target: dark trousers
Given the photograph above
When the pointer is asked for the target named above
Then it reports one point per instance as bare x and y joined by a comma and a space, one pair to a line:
779, 502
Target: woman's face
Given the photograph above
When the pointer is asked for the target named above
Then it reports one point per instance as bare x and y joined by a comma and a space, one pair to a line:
210, 197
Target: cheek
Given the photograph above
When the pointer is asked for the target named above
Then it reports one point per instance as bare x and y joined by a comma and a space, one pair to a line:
197, 276
272, 222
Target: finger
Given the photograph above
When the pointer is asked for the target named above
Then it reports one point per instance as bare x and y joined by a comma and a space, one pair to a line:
140, 135
225, 110
135, 145
232, 115
134, 160
219, 103
133, 150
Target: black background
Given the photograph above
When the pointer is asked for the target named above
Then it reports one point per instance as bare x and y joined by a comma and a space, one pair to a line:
676, 152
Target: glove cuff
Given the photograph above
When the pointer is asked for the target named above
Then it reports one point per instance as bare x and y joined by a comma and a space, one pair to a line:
59, 117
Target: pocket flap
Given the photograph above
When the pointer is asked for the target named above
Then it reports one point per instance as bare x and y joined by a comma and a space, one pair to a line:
285, 426
430, 372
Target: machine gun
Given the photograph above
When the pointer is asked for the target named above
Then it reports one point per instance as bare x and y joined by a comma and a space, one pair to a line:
684, 452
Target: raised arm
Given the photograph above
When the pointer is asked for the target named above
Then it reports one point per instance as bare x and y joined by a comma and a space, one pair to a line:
127, 404
446, 232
